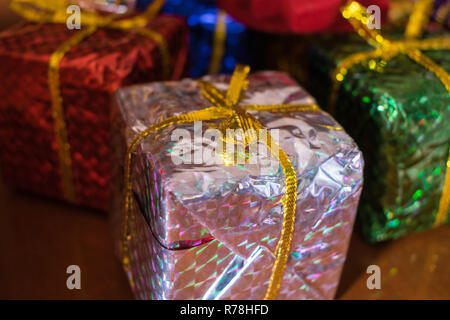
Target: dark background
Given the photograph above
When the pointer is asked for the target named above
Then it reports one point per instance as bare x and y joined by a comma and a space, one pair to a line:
40, 238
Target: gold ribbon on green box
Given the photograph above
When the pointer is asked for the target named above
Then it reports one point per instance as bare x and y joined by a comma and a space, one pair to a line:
387, 49
55, 11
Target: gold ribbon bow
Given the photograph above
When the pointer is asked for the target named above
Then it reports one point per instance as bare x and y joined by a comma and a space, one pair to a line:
227, 107
387, 49
54, 11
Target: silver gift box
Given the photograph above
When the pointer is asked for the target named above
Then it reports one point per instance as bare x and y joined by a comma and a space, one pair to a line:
209, 230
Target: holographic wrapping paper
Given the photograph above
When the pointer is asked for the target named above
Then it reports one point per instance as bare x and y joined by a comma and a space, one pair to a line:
201, 16
399, 115
209, 232
89, 74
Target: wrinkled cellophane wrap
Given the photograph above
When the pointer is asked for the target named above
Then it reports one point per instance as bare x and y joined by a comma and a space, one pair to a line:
89, 73
201, 17
209, 232
399, 115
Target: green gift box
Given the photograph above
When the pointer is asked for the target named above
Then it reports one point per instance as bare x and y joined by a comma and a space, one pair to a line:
396, 105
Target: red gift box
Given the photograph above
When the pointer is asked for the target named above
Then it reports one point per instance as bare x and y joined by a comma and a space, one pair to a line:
88, 75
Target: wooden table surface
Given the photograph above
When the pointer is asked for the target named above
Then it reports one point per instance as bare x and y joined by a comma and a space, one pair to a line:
40, 238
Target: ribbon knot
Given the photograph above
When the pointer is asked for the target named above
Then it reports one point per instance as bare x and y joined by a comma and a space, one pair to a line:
238, 117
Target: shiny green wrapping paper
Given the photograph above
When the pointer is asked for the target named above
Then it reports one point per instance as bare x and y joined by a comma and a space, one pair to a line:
399, 114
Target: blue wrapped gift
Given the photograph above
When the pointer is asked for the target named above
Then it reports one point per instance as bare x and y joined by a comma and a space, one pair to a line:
217, 41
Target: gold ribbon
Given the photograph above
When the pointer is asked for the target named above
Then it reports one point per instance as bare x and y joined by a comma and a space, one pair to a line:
388, 49
227, 107
54, 11
218, 47
419, 19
